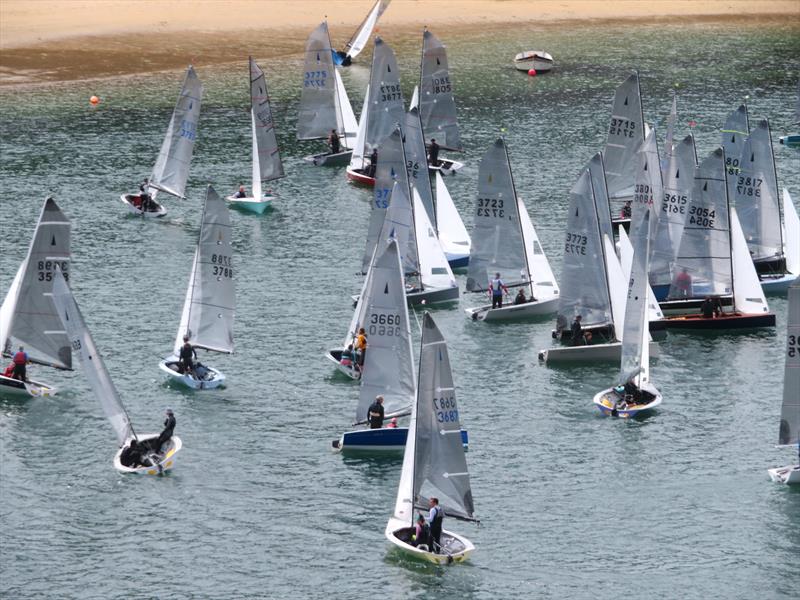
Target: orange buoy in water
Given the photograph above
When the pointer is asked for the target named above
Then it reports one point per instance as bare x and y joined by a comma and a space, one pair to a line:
94, 100
532, 72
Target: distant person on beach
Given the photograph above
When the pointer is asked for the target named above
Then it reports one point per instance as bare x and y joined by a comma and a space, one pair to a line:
333, 142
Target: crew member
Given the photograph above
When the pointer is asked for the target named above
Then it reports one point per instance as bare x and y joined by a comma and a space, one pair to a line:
21, 361
375, 413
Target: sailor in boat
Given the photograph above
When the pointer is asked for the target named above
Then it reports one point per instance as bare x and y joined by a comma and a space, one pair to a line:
375, 413
333, 142
631, 395
20, 361
433, 154
521, 299
187, 357
242, 193
627, 211
496, 289
577, 332
166, 434
422, 534
711, 308
392, 424
435, 518
348, 358
373, 163
361, 348
132, 456
146, 203
683, 283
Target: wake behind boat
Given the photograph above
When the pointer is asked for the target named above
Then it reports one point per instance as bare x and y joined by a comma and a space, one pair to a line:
208, 309
154, 454
267, 163
434, 473
30, 330
172, 165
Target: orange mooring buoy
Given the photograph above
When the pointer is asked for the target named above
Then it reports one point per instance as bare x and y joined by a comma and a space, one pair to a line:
94, 100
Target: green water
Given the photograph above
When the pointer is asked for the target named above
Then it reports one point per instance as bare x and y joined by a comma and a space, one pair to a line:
572, 505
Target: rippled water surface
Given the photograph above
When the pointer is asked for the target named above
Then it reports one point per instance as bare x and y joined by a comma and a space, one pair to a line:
572, 504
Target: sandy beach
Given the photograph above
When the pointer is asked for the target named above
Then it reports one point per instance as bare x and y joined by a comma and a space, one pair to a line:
74, 39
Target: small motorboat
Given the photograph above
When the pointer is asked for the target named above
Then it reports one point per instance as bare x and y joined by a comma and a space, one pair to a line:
539, 60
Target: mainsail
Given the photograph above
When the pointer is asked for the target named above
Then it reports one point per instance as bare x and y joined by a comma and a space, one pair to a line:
584, 281
208, 310
388, 363
437, 107
172, 165
734, 133
360, 38
649, 188
636, 336
756, 195
317, 113
386, 110
625, 135
498, 245
789, 432
440, 466
597, 171
398, 224
417, 162
267, 163
703, 262
27, 316
81, 340
678, 181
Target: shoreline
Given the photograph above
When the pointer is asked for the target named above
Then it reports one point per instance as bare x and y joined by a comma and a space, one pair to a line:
68, 53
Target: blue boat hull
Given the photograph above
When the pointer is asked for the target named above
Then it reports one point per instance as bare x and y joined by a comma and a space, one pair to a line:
379, 440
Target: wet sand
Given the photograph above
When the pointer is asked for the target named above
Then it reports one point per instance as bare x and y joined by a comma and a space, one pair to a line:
53, 40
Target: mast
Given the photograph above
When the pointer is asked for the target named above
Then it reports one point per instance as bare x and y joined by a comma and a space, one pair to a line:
519, 221
775, 175
730, 229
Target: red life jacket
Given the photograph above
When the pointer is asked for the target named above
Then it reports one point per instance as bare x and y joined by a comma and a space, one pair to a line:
20, 358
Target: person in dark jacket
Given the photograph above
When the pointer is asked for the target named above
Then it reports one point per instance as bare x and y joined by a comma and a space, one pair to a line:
577, 332
435, 518
373, 163
186, 357
375, 413
334, 143
131, 455
433, 154
166, 434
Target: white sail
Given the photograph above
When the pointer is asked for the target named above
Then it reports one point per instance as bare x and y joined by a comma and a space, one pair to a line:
417, 162
669, 140
756, 195
172, 165
437, 107
27, 316
440, 465
734, 133
357, 158
543, 281
597, 171
210, 304
398, 224
704, 254
789, 431
386, 110
616, 288
435, 271
414, 98
636, 337
362, 34
791, 234
649, 188
346, 118
625, 134
654, 312
317, 114
748, 296
359, 314
81, 341
268, 156
388, 364
449, 224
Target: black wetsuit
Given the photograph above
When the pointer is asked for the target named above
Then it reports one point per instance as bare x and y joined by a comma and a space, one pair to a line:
433, 155
436, 529
707, 308
166, 435
186, 356
336, 147
577, 333
131, 456
373, 163
375, 421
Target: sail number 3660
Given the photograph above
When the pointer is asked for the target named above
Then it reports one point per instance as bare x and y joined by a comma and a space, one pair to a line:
381, 324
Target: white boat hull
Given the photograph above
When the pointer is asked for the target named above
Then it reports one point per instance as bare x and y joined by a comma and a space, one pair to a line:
14, 388
539, 60
789, 475
251, 204
513, 312
611, 352
164, 464
350, 371
778, 284
212, 380
606, 401
446, 166
129, 199
455, 548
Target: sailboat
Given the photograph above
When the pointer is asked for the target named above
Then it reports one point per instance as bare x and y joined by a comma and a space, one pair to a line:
789, 431
383, 111
434, 463
793, 139
755, 195
324, 105
359, 39
713, 260
634, 395
505, 241
626, 133
429, 277
207, 317
172, 165
437, 106
27, 316
733, 136
157, 459
267, 163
